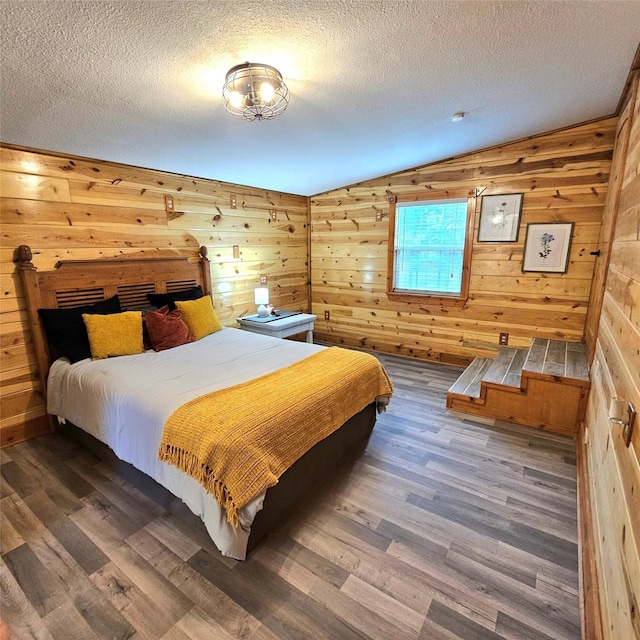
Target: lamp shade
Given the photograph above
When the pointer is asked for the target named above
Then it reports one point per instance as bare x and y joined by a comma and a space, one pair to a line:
254, 91
261, 295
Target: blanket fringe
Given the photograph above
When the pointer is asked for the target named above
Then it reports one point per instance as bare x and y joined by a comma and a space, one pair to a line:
238, 448
190, 464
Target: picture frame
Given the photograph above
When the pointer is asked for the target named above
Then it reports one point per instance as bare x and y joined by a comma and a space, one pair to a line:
500, 218
546, 247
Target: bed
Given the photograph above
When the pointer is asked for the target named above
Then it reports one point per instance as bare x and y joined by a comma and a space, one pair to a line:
120, 405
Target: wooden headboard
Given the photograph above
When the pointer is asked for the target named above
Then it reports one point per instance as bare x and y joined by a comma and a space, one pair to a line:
77, 282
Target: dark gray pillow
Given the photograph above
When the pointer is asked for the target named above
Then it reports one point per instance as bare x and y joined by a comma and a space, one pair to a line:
162, 299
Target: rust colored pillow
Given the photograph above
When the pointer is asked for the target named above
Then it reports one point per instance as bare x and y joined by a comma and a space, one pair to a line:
167, 329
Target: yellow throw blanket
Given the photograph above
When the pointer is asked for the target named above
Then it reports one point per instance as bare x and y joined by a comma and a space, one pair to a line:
238, 441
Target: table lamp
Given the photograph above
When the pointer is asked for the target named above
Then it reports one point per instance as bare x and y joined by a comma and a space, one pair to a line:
261, 298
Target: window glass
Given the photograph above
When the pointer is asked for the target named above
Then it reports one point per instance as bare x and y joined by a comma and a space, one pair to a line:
429, 246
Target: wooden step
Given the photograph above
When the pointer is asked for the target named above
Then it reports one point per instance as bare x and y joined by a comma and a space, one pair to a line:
544, 387
506, 369
468, 384
558, 359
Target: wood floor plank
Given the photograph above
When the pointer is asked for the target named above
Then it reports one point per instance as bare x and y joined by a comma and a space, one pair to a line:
104, 523
62, 497
408, 562
561, 525
315, 539
556, 592
138, 607
44, 590
263, 633
175, 633
376, 567
9, 537
253, 588
130, 501
5, 487
63, 472
528, 604
491, 559
102, 617
197, 624
21, 482
362, 620
460, 626
421, 543
165, 532
408, 621
432, 630
283, 550
551, 480
66, 623
446, 528
21, 518
297, 575
400, 585
561, 552
447, 587
492, 525
59, 562
79, 546
213, 601
537, 353
513, 629
480, 487
24, 456
18, 613
523, 491
356, 513
44, 508
543, 567
168, 598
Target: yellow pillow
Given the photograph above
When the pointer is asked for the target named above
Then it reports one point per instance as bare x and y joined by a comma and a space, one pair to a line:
199, 316
116, 334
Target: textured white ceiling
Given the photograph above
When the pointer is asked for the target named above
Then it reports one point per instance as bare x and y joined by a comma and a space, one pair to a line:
373, 83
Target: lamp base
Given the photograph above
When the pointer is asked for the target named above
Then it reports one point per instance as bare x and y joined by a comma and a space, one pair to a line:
262, 311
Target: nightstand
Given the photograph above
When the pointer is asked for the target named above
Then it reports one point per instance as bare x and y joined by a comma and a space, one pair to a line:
280, 327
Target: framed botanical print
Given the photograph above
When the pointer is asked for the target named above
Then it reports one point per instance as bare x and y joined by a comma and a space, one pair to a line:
500, 218
546, 247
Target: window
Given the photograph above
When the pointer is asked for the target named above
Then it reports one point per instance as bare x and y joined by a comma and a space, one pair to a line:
430, 247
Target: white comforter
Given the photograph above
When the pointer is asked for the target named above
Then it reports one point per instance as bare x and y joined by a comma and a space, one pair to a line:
125, 402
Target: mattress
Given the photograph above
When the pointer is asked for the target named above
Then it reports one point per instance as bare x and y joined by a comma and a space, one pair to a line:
124, 402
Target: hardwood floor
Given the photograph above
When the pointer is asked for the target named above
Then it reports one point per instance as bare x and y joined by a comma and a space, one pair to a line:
445, 528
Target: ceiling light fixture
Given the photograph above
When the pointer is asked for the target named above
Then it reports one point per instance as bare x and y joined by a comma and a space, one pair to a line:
254, 92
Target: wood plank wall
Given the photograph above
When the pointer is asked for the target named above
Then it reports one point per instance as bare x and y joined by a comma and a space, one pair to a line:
564, 177
613, 469
67, 207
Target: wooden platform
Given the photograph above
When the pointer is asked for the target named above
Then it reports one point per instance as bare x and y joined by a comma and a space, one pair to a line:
545, 386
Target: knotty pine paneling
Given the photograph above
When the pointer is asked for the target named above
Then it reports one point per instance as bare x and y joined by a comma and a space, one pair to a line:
70, 208
613, 469
564, 177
